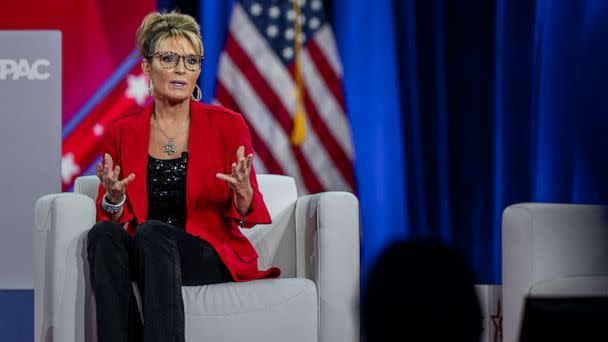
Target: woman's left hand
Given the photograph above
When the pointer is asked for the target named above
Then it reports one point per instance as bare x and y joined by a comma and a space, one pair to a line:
238, 181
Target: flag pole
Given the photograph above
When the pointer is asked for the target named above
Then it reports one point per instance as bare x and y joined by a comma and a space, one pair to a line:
299, 123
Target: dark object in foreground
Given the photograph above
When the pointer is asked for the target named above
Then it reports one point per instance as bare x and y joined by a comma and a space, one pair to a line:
565, 319
420, 291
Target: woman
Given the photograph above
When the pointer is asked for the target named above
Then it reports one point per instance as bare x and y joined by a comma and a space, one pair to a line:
177, 181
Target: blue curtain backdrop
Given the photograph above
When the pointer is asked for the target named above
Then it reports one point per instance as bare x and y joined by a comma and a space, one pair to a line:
461, 108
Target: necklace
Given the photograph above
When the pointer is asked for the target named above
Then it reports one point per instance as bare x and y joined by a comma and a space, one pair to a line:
169, 147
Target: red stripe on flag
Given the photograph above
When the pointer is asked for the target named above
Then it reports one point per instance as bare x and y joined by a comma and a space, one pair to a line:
259, 83
259, 146
330, 77
334, 150
271, 100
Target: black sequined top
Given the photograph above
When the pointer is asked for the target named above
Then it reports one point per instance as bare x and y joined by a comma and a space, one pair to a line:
166, 184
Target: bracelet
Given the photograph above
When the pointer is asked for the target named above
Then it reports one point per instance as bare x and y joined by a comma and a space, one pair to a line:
112, 208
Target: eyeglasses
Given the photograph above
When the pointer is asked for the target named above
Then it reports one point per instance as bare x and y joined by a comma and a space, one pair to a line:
170, 60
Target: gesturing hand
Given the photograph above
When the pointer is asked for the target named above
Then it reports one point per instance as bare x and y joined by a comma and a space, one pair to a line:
108, 176
238, 180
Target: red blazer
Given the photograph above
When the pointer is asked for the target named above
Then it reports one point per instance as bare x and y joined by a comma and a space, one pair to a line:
215, 135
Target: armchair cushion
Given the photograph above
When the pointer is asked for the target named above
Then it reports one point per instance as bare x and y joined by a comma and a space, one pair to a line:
215, 310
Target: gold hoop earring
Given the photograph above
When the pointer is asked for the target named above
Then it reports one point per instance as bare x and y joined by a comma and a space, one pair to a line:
199, 93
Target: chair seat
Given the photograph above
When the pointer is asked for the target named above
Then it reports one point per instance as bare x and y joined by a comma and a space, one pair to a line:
256, 307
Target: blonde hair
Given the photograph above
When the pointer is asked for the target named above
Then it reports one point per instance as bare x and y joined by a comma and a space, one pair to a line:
158, 26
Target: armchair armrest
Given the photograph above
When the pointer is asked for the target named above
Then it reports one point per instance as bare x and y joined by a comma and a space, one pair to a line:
327, 245
61, 288
547, 248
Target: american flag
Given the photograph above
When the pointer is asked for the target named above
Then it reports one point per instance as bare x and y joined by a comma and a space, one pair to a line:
281, 69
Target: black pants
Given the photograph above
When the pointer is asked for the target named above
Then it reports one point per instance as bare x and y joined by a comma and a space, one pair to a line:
160, 259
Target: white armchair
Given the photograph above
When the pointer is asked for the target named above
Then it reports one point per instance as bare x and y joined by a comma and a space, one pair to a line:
313, 239
551, 250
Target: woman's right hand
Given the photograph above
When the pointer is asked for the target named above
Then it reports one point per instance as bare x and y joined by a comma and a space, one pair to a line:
108, 176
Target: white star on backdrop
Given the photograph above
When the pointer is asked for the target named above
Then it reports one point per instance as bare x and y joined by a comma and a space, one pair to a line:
68, 168
98, 130
137, 89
